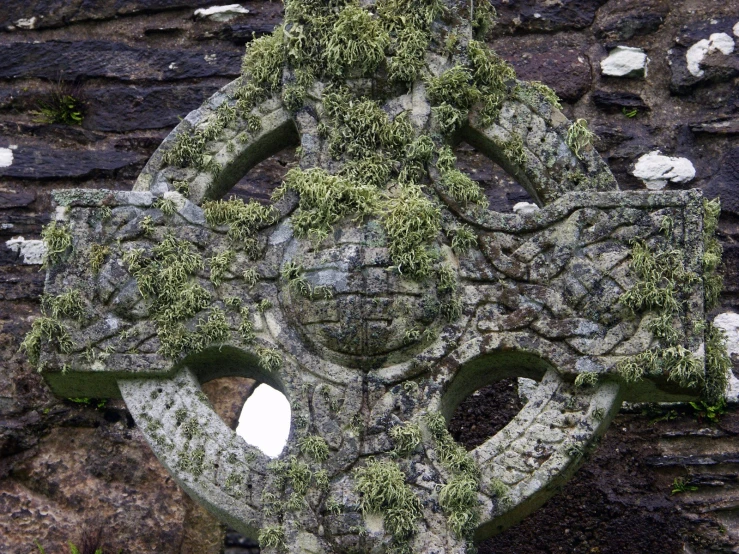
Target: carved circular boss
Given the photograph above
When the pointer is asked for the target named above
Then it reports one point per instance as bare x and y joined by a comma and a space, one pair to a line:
376, 290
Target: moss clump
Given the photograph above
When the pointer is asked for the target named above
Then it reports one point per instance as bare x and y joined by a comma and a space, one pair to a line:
324, 200
452, 94
263, 61
268, 358
491, 75
57, 240
356, 42
458, 499
219, 266
718, 365
713, 281
166, 206
46, 330
579, 137
314, 447
406, 438
244, 220
383, 491
587, 379
66, 305
411, 221
483, 17
272, 536
98, 253
463, 238
408, 61
458, 185
530, 90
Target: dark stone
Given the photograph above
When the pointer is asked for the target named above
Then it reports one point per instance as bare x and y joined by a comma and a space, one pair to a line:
21, 283
717, 67
542, 15
616, 101
564, 68
731, 269
127, 108
56, 13
728, 126
15, 224
39, 162
103, 59
619, 21
725, 183
16, 198
242, 33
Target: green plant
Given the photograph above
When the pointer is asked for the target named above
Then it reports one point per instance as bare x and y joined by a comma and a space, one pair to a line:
579, 137
356, 42
98, 253
710, 412
219, 266
63, 105
58, 240
406, 438
587, 379
66, 305
629, 112
46, 329
458, 499
314, 447
680, 485
383, 490
269, 359
272, 536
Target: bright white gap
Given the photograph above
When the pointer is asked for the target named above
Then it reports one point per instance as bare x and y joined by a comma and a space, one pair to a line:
265, 420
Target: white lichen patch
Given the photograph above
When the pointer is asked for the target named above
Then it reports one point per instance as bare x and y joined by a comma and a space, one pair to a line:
525, 208
221, 13
717, 42
625, 61
31, 251
6, 157
736, 29
657, 170
26, 23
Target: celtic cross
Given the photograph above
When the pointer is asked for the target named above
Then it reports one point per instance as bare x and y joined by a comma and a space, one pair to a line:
377, 290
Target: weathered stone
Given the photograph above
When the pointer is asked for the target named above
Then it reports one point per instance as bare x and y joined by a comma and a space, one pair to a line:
724, 184
607, 100
625, 61
126, 108
540, 15
32, 161
102, 59
620, 21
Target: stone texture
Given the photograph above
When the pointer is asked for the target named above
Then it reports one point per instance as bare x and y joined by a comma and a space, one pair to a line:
617, 503
540, 15
621, 21
625, 61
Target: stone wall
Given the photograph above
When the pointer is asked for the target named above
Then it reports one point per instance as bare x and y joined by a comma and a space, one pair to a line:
68, 467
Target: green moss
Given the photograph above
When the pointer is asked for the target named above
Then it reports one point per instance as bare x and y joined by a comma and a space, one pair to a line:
219, 266
484, 17
491, 75
66, 305
272, 536
383, 490
314, 447
264, 60
587, 379
453, 87
408, 61
321, 480
356, 42
463, 238
458, 499
406, 438
251, 277
293, 96
57, 240
244, 220
513, 150
447, 279
166, 206
299, 475
98, 253
269, 359
448, 118
324, 200
46, 330
213, 330
718, 365
531, 91
579, 137
463, 189
411, 221
713, 282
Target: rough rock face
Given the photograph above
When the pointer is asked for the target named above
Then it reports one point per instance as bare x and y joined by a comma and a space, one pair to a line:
143, 63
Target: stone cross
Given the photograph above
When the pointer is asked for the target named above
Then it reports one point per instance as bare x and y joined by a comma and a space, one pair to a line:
376, 290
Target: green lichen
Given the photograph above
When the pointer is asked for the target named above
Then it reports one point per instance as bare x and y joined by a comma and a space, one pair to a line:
579, 137
46, 330
458, 499
713, 281
314, 447
356, 44
219, 266
98, 253
66, 305
58, 240
272, 536
463, 238
586, 379
718, 365
269, 359
383, 491
406, 438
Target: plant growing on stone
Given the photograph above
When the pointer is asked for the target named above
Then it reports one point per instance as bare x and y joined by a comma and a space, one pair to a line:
269, 359
579, 137
272, 536
58, 240
98, 253
63, 105
406, 438
314, 447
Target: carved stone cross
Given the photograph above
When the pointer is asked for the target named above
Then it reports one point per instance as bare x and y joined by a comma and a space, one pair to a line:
376, 291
